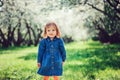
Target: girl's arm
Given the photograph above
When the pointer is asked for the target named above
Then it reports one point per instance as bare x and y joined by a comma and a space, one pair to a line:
41, 50
62, 50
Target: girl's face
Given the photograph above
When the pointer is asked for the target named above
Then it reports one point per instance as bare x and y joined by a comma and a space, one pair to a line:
51, 31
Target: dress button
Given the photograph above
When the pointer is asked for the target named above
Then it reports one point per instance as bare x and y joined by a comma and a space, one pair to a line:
52, 62
51, 45
52, 67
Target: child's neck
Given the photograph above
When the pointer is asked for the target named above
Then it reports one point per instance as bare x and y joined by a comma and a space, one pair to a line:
51, 38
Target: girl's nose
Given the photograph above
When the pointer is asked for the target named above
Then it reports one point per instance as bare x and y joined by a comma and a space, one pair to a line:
51, 31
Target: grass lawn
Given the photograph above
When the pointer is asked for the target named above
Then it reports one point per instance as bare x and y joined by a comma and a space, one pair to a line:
85, 61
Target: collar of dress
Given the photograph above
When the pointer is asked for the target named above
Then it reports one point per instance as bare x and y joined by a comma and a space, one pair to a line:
48, 39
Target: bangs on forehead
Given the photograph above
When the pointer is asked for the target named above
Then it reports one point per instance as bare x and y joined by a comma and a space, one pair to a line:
51, 26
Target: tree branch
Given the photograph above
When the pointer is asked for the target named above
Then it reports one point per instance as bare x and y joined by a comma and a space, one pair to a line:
114, 6
111, 17
85, 1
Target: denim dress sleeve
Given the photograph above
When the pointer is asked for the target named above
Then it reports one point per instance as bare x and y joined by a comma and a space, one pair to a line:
41, 50
62, 50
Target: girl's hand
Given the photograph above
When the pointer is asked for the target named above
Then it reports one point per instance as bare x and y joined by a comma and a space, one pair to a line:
62, 63
38, 65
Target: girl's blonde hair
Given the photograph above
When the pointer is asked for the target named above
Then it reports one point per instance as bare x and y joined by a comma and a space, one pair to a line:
58, 34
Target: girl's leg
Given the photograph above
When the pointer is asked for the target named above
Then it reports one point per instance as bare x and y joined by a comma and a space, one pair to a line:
56, 77
46, 77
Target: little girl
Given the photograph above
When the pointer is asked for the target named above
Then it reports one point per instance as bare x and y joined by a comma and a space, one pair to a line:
51, 53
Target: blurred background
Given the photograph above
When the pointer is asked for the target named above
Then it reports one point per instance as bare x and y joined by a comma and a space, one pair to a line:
22, 22
90, 30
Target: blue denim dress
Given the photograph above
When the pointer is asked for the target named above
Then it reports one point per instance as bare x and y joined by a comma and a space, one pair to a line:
51, 54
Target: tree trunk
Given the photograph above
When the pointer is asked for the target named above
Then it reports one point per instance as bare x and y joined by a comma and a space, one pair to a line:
19, 40
3, 40
29, 41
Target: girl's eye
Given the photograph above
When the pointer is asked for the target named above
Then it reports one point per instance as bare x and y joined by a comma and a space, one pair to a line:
53, 30
48, 30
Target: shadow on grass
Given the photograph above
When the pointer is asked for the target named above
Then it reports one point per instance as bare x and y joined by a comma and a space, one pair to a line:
14, 48
95, 59
30, 56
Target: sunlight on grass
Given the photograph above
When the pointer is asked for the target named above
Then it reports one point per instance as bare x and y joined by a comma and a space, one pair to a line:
118, 53
73, 63
85, 61
14, 68
83, 45
108, 74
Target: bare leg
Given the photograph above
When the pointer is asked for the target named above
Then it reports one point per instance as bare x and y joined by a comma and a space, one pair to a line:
56, 77
46, 77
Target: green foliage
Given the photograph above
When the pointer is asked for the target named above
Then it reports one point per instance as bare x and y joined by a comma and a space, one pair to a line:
111, 23
85, 61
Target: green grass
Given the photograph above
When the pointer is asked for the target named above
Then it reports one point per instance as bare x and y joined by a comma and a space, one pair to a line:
85, 61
